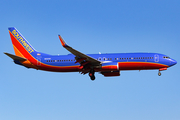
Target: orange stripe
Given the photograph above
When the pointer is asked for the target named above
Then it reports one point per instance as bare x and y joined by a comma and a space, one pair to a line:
26, 63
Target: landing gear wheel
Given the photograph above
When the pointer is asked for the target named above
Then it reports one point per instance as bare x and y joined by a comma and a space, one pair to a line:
159, 73
93, 77
91, 74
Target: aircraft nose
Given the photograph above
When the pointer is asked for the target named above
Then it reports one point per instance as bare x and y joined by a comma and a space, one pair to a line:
173, 62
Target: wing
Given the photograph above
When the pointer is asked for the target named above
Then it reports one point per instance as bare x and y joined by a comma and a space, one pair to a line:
83, 59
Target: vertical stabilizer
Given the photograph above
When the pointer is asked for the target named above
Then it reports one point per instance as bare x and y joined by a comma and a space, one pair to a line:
21, 46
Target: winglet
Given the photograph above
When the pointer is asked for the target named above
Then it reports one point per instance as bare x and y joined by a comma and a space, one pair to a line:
62, 41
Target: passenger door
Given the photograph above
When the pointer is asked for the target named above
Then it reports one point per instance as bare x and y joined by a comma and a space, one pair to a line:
156, 58
38, 59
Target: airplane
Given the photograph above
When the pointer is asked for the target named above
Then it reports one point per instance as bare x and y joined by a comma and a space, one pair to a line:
108, 65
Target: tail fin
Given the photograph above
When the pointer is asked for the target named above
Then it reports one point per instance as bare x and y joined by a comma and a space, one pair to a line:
22, 48
25, 53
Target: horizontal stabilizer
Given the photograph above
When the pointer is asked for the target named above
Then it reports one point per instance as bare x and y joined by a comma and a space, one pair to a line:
14, 57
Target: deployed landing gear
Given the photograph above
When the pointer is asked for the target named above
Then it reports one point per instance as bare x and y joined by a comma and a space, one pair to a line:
91, 74
159, 73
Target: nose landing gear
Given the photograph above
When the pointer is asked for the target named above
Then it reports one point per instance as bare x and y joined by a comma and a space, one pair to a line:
91, 74
159, 73
161, 69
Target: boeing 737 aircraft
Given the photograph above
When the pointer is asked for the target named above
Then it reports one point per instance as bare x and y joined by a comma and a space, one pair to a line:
106, 64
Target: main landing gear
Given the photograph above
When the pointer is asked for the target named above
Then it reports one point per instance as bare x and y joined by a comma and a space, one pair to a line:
91, 74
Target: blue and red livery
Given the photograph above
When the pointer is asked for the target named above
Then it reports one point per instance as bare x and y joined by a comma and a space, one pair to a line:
106, 64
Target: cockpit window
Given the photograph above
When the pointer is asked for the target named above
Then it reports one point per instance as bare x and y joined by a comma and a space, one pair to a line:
166, 57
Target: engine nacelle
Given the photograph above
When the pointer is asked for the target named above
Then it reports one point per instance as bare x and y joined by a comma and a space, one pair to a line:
112, 66
111, 73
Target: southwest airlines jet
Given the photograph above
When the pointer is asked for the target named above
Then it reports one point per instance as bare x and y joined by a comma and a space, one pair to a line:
106, 64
